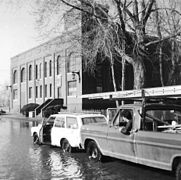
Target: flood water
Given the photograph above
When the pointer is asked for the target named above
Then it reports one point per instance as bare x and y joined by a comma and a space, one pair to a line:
20, 159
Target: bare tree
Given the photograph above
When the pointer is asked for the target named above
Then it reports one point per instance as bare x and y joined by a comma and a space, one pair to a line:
168, 27
121, 33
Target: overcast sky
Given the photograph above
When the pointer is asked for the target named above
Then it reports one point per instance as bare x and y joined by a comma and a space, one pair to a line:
17, 34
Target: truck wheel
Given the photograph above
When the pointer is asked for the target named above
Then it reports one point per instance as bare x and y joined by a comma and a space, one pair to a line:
66, 147
36, 139
93, 151
178, 171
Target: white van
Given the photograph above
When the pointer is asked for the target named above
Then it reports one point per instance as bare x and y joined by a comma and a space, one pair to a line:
63, 130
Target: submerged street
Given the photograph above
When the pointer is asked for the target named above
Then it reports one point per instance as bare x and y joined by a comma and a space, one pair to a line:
20, 159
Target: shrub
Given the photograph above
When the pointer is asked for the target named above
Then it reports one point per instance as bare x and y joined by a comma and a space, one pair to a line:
51, 110
28, 107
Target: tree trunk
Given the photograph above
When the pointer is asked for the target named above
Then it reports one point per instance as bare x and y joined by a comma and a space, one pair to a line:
139, 74
161, 65
113, 76
171, 78
139, 54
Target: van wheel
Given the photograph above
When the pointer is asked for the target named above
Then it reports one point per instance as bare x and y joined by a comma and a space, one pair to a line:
66, 147
178, 171
93, 151
36, 139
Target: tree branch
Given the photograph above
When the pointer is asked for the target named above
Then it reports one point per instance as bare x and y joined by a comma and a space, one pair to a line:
166, 38
135, 11
81, 9
126, 10
148, 11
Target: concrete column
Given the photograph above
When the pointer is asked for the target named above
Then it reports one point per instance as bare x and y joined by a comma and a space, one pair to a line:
26, 80
11, 90
19, 87
53, 75
34, 81
43, 79
65, 77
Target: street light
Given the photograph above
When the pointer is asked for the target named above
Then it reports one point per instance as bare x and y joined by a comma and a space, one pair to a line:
76, 72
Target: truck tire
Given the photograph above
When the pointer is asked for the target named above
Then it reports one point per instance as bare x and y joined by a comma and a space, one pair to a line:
66, 147
93, 151
178, 171
36, 139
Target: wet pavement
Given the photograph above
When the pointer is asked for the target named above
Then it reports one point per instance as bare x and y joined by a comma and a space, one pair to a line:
20, 159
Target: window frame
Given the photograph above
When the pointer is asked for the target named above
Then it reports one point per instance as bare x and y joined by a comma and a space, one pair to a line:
60, 120
70, 125
72, 91
30, 72
50, 68
30, 93
15, 77
22, 75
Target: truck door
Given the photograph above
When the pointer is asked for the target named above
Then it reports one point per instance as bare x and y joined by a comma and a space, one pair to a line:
156, 145
120, 145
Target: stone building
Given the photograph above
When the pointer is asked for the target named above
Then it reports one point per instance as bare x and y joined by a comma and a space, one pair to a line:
48, 71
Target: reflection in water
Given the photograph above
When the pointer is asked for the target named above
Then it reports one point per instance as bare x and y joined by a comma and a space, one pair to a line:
51, 162
20, 159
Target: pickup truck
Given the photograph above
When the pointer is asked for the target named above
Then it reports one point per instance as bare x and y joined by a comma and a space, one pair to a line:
154, 139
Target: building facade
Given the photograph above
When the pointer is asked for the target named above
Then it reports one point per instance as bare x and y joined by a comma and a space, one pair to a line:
51, 70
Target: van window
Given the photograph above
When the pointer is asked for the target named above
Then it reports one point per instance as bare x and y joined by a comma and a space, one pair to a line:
50, 121
88, 120
60, 122
72, 122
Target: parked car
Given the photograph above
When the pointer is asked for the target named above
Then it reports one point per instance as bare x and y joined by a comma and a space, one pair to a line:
154, 139
63, 129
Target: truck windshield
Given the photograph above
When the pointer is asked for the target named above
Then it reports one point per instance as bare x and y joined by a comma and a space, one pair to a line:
88, 120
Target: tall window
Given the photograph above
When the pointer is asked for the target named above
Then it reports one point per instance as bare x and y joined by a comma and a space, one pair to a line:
15, 94
36, 72
50, 90
72, 88
45, 90
50, 68
36, 92
40, 91
30, 72
45, 69
59, 92
58, 65
30, 92
71, 63
22, 74
15, 77
40, 70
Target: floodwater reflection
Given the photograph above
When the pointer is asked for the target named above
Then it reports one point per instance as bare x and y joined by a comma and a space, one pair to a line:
53, 163
20, 159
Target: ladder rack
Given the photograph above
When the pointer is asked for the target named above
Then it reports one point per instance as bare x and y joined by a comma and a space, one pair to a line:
157, 92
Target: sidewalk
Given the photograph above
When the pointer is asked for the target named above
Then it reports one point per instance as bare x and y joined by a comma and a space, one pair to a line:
20, 116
